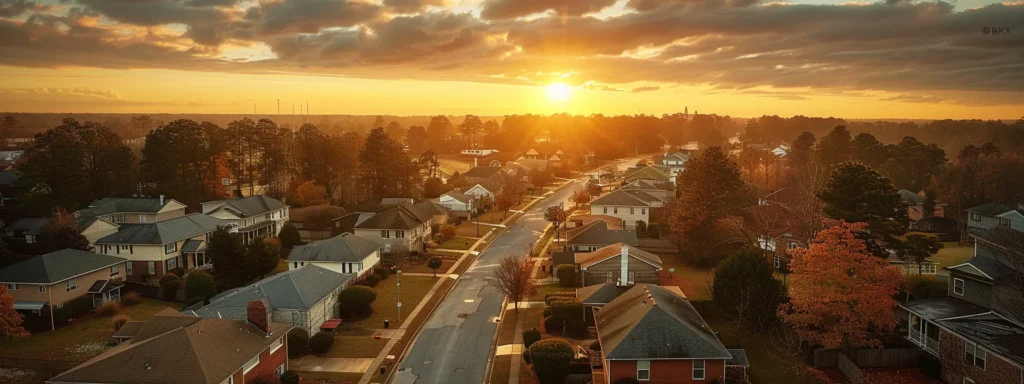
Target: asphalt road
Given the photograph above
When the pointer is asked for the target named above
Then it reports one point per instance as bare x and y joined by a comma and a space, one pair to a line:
455, 342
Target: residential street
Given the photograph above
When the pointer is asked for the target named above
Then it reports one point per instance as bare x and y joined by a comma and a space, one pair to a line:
455, 343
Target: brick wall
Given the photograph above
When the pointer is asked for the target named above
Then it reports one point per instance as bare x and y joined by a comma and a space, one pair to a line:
268, 362
140, 268
665, 371
955, 368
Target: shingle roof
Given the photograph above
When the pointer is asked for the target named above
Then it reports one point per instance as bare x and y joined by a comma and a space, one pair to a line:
108, 205
458, 195
937, 308
586, 259
193, 245
56, 266
739, 358
296, 289
993, 332
597, 233
432, 208
563, 257
249, 206
651, 322
911, 198
990, 209
481, 172
9, 177
648, 185
30, 225
342, 248
647, 172
163, 232
188, 350
627, 198
402, 216
599, 294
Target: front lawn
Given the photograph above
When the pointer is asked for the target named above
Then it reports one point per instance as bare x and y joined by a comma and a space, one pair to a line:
694, 281
544, 290
459, 243
414, 288
355, 346
81, 340
952, 253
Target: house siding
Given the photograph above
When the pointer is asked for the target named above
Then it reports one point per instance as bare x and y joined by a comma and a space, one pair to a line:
629, 220
664, 371
975, 292
98, 230
311, 318
411, 242
58, 291
643, 273
955, 368
367, 264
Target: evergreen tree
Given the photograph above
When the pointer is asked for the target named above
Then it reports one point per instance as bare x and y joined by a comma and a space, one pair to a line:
858, 194
230, 265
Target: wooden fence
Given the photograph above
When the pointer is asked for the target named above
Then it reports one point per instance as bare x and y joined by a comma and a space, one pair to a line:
848, 368
868, 358
50, 366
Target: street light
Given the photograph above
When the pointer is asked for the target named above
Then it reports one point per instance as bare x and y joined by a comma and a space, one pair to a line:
398, 283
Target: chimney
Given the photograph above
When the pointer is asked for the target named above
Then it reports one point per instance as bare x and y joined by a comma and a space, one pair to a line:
258, 313
624, 266
161, 200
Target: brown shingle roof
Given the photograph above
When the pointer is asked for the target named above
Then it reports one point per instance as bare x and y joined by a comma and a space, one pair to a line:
402, 216
597, 232
626, 198
587, 259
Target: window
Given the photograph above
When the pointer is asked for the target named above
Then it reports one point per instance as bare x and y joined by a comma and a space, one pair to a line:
631, 210
399, 234
276, 345
72, 284
643, 370
170, 247
30, 239
958, 286
929, 269
1004, 222
793, 245
975, 217
606, 210
128, 268
295, 264
12, 287
385, 234
152, 267
643, 211
114, 270
975, 355
170, 264
615, 210
337, 224
250, 364
280, 370
698, 369
775, 261
42, 289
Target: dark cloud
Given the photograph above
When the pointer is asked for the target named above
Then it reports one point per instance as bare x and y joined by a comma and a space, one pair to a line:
156, 12
647, 88
410, 6
11, 8
509, 9
309, 16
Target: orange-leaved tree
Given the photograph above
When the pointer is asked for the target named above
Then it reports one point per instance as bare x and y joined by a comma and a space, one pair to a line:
310, 194
10, 319
840, 295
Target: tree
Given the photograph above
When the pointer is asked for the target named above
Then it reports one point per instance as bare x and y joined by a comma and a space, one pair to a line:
200, 284
858, 194
437, 133
395, 130
433, 187
169, 286
416, 139
802, 151
385, 169
321, 342
566, 275
310, 194
8, 258
289, 236
262, 258
503, 201
357, 299
434, 263
833, 148
230, 264
10, 319
917, 248
580, 198
593, 188
63, 233
470, 129
555, 215
515, 278
745, 289
928, 208
840, 295
181, 158
298, 342
551, 358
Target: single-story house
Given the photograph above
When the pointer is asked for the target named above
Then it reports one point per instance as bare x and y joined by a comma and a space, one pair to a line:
620, 264
596, 235
55, 278
460, 204
345, 253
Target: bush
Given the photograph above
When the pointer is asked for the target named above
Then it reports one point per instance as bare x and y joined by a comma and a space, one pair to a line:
290, 377
298, 342
923, 287
169, 286
551, 358
266, 378
200, 283
930, 366
131, 298
448, 231
108, 308
551, 299
552, 323
595, 346
321, 342
382, 272
195, 300
547, 311
526, 356
119, 321
566, 275
745, 289
530, 336
357, 299
372, 280
567, 310
289, 236
177, 271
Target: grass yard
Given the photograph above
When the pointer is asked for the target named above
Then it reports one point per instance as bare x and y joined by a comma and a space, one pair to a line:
543, 290
694, 281
446, 262
81, 340
952, 253
460, 243
469, 229
414, 288
355, 346
763, 368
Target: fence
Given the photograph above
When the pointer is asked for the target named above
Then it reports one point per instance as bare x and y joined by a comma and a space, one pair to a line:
658, 245
52, 366
868, 358
848, 368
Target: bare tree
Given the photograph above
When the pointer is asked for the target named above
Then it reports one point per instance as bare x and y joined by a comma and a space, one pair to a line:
515, 279
1009, 253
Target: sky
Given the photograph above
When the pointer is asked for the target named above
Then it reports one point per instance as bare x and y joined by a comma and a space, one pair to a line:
745, 58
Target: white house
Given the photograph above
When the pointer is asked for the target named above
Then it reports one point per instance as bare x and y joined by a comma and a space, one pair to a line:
345, 253
401, 228
250, 217
460, 203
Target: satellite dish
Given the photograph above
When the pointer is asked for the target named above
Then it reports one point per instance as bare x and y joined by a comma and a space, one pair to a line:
672, 270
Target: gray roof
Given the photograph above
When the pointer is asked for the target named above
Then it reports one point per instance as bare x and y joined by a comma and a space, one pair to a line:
937, 308
56, 266
30, 225
648, 185
345, 247
599, 294
663, 325
458, 195
193, 245
597, 233
677, 156
432, 208
297, 289
563, 257
990, 209
9, 177
481, 172
249, 206
739, 358
911, 198
627, 198
993, 332
163, 232
402, 216
108, 205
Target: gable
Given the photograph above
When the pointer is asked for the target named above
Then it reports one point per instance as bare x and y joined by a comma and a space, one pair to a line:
171, 205
1013, 215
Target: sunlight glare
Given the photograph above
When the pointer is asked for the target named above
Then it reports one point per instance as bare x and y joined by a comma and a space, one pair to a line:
559, 92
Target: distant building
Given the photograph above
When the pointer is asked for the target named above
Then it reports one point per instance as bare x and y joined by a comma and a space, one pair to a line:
250, 217
991, 215
915, 205
478, 152
58, 277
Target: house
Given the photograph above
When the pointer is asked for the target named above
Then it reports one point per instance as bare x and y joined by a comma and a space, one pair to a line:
250, 217
483, 191
26, 230
152, 249
663, 190
993, 215
345, 253
480, 174
977, 331
915, 205
401, 228
438, 213
171, 347
910, 268
620, 264
675, 161
630, 206
478, 152
460, 204
775, 226
25, 233
303, 297
596, 235
649, 172
119, 210
653, 334
57, 277
318, 222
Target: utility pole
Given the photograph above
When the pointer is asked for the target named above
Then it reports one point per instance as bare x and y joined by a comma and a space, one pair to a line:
279, 107
398, 277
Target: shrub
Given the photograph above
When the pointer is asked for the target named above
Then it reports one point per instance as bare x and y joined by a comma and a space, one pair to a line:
266, 378
595, 346
526, 356
530, 336
119, 321
357, 299
567, 310
547, 311
382, 272
108, 308
923, 287
448, 231
200, 283
372, 280
566, 275
745, 289
321, 342
177, 271
195, 300
290, 377
169, 285
552, 323
298, 342
552, 299
929, 365
130, 299
289, 236
551, 358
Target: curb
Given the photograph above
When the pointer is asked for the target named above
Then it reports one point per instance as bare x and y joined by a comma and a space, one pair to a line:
494, 343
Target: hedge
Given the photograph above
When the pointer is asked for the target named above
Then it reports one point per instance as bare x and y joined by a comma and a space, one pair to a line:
321, 342
382, 272
551, 358
566, 275
357, 299
372, 280
298, 342
530, 336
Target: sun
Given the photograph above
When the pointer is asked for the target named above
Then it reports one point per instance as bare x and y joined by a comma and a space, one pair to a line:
559, 92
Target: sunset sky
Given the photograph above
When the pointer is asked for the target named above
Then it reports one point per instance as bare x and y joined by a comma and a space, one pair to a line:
890, 59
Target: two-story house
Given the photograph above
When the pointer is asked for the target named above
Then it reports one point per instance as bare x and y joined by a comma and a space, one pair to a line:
977, 331
345, 253
152, 249
401, 228
54, 278
649, 172
993, 215
915, 205
132, 210
663, 190
630, 206
675, 161
250, 217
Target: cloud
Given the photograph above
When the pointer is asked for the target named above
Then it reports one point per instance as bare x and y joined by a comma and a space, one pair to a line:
646, 88
309, 16
11, 8
92, 93
409, 6
510, 9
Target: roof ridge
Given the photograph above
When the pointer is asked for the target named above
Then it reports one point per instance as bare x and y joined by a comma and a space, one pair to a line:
195, 353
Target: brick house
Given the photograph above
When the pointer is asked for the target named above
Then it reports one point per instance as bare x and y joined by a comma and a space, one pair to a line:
174, 348
57, 277
152, 249
976, 331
